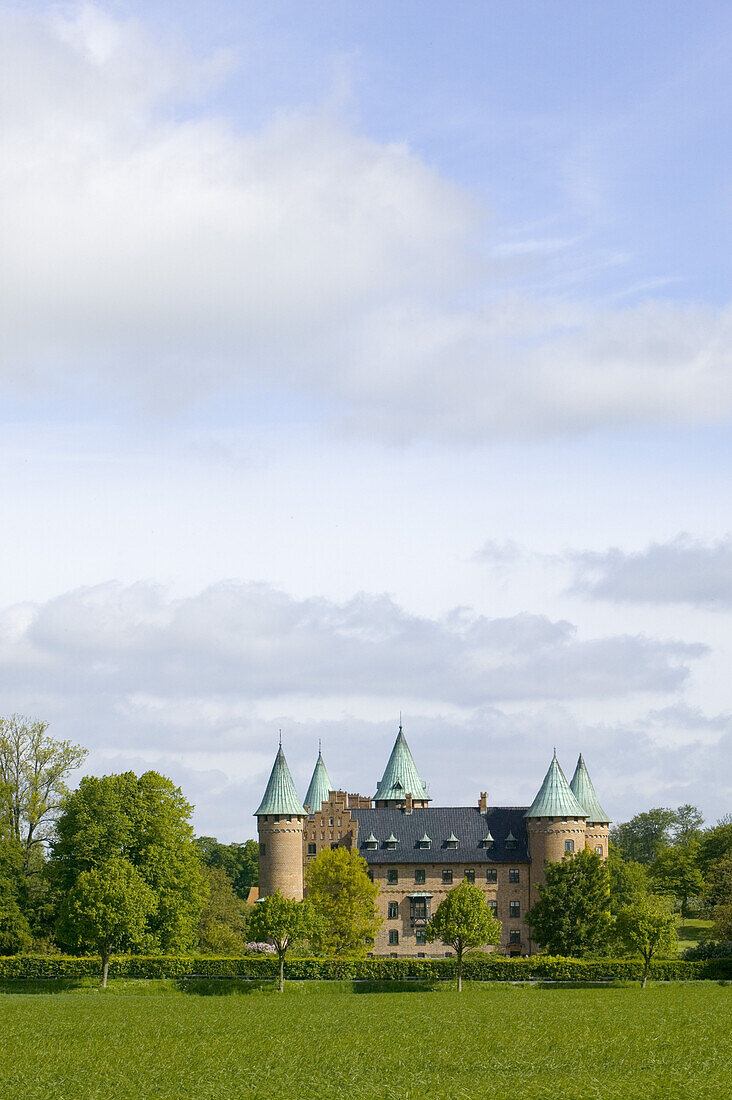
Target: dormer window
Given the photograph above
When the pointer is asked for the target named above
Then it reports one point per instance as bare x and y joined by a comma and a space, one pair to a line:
425, 842
511, 841
371, 843
452, 841
391, 842
487, 841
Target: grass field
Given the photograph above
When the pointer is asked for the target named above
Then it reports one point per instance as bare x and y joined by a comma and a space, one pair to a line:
229, 1039
693, 931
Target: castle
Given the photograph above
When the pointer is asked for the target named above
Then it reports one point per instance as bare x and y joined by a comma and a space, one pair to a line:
417, 852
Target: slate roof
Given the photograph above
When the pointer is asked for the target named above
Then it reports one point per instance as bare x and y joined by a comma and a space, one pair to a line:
401, 776
280, 797
583, 790
467, 823
554, 798
320, 787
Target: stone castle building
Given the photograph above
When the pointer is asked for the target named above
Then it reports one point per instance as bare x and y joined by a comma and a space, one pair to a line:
417, 852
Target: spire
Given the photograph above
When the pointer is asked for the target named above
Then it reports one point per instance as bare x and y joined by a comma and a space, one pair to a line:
280, 797
583, 790
555, 799
401, 776
320, 786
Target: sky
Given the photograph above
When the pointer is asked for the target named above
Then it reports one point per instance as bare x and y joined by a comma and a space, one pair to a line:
360, 360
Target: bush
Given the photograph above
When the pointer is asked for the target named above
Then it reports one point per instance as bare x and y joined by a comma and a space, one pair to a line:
710, 950
487, 968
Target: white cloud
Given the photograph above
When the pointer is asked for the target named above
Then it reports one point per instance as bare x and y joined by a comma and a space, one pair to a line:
164, 255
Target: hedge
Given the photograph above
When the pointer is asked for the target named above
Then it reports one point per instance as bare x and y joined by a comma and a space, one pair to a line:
538, 967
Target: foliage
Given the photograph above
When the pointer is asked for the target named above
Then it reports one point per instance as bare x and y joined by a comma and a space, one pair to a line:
222, 928
641, 838
674, 872
710, 949
33, 773
647, 927
281, 920
145, 821
239, 861
572, 915
15, 933
687, 825
627, 879
344, 899
718, 886
723, 921
463, 920
715, 844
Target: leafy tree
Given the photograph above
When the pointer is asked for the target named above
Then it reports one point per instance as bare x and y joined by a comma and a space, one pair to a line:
146, 821
280, 920
572, 916
647, 927
718, 885
239, 861
627, 879
642, 837
108, 908
15, 932
223, 923
715, 844
688, 824
344, 898
33, 773
674, 872
462, 921
723, 921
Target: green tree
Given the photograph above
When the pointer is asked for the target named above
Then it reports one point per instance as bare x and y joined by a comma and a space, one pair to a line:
239, 861
15, 932
572, 915
642, 837
647, 927
715, 844
280, 920
146, 821
462, 921
223, 922
344, 898
718, 885
674, 872
723, 921
33, 773
108, 908
688, 824
627, 880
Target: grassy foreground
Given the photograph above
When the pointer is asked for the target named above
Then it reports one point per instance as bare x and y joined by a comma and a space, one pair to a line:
231, 1039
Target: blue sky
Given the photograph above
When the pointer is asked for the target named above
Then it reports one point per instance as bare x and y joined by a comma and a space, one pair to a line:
366, 358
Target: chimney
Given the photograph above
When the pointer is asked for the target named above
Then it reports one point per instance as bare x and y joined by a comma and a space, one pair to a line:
408, 803
483, 801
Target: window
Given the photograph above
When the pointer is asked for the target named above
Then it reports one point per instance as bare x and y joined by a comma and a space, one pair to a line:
513, 874
393, 937
420, 940
420, 954
322, 823
311, 849
419, 876
339, 823
447, 878
598, 850
510, 841
392, 876
569, 845
330, 821
491, 875
493, 906
419, 909
334, 844
393, 910
452, 841
470, 876
514, 936
514, 908
262, 849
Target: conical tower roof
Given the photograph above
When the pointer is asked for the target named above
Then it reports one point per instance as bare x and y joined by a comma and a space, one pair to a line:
401, 776
320, 787
555, 799
280, 796
583, 790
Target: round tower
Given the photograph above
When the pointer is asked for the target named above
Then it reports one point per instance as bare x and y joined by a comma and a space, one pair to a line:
598, 823
280, 824
555, 824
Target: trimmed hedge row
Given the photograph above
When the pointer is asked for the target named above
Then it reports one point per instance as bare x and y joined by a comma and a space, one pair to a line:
538, 967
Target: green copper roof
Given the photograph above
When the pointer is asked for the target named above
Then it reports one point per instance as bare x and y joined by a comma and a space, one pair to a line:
584, 792
555, 799
320, 787
280, 796
401, 776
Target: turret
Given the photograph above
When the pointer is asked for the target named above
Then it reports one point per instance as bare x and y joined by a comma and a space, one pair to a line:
555, 823
400, 779
597, 835
280, 822
320, 787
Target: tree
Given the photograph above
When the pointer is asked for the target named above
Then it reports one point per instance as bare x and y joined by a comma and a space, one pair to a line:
715, 844
144, 820
33, 773
280, 920
688, 824
718, 885
647, 927
223, 923
344, 898
627, 879
674, 872
462, 921
239, 861
15, 933
572, 915
108, 908
642, 837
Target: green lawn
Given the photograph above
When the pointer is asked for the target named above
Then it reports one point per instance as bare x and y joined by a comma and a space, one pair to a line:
230, 1039
692, 931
